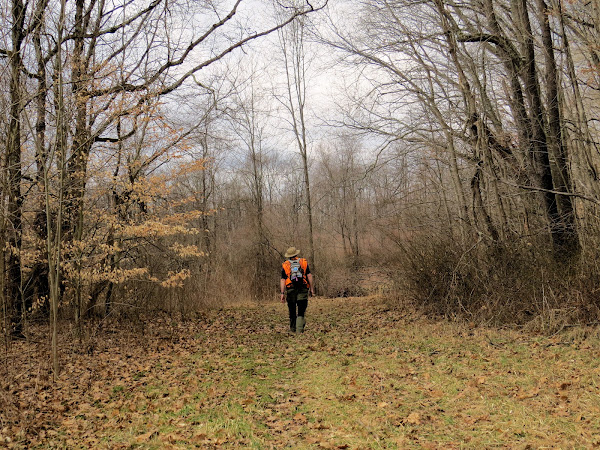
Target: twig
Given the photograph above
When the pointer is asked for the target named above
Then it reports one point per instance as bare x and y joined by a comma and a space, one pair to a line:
552, 191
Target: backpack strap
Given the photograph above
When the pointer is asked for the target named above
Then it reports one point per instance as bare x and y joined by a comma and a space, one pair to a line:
287, 267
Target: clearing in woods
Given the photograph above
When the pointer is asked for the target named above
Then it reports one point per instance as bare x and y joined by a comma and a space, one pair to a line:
362, 376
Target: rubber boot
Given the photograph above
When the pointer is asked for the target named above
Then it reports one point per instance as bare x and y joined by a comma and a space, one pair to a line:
300, 324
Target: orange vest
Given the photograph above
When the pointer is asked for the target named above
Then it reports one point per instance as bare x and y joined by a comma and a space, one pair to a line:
288, 272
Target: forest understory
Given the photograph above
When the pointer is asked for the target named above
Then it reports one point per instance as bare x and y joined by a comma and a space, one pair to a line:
363, 375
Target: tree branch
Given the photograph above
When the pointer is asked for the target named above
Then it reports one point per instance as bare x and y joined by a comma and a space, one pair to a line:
128, 87
503, 44
115, 140
552, 191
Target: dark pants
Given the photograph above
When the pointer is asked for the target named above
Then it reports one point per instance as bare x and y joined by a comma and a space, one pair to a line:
296, 298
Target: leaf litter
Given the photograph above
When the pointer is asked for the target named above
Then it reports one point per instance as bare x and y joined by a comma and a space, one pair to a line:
362, 376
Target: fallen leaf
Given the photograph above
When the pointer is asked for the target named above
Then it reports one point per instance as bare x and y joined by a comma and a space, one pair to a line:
146, 436
563, 386
247, 401
436, 393
529, 394
300, 418
414, 418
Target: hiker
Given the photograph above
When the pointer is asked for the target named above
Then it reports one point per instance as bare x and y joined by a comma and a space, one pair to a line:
296, 282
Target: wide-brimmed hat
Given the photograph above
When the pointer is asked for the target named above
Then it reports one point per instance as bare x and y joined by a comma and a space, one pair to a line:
291, 252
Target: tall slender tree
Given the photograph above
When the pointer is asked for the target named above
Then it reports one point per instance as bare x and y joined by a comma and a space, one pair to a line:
14, 288
293, 41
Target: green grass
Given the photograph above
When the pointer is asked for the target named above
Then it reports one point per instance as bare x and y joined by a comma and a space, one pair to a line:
360, 377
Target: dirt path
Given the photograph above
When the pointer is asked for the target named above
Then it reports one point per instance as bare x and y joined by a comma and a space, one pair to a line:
362, 376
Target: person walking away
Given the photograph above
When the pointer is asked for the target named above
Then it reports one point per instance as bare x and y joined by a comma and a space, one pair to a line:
296, 283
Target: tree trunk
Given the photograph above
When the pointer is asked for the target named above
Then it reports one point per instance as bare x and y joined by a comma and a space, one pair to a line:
295, 60
565, 241
564, 229
78, 160
13, 167
54, 239
39, 283
3, 298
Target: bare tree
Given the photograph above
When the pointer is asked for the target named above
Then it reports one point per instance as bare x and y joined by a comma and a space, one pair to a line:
293, 40
342, 181
13, 166
249, 113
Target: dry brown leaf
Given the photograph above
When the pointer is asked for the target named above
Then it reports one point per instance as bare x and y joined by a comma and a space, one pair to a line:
563, 386
146, 436
319, 426
247, 401
414, 418
529, 394
300, 418
436, 393
172, 438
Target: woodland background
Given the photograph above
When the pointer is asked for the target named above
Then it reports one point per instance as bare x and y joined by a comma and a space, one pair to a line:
161, 156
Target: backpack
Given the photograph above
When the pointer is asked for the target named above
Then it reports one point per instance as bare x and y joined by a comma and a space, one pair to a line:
296, 273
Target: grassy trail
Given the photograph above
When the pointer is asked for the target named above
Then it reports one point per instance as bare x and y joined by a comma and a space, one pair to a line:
361, 377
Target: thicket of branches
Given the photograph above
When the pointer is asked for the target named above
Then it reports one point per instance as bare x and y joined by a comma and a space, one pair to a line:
146, 165
107, 202
497, 102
